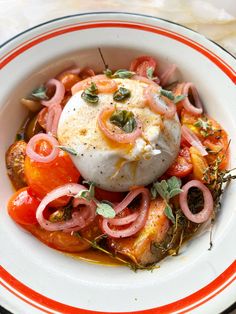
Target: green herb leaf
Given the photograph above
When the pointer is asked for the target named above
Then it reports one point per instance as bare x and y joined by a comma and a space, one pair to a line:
174, 186
124, 120
122, 73
121, 94
162, 189
88, 195
68, 149
90, 94
153, 192
203, 124
179, 98
105, 210
169, 214
167, 189
40, 93
108, 73
167, 93
150, 72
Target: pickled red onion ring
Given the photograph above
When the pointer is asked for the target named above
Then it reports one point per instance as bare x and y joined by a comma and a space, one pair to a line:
207, 210
137, 224
58, 95
158, 105
117, 137
192, 139
166, 75
79, 219
30, 148
198, 108
145, 80
104, 84
53, 117
124, 220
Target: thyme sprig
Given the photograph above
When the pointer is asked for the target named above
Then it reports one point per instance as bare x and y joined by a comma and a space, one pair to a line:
133, 266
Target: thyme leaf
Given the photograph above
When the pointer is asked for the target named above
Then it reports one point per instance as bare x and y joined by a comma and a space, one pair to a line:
122, 73
167, 189
169, 213
150, 72
68, 149
133, 266
90, 94
124, 119
105, 210
170, 95
40, 93
121, 94
167, 93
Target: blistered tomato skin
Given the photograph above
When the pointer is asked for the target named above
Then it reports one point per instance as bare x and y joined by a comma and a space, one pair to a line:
44, 177
182, 165
22, 207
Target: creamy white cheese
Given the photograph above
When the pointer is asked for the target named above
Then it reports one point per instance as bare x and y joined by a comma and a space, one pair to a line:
110, 165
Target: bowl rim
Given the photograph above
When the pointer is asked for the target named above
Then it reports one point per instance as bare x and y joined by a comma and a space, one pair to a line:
94, 13
6, 42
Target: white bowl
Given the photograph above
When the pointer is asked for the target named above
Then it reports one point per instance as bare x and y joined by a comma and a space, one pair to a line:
37, 279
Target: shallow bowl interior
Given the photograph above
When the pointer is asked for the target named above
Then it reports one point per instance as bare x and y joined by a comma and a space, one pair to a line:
41, 267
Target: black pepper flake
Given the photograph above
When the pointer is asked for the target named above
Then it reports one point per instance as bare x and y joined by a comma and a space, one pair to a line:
101, 172
82, 155
94, 147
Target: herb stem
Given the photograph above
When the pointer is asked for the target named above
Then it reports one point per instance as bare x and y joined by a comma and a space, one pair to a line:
103, 60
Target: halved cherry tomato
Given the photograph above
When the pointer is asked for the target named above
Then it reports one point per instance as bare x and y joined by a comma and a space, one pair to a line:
199, 163
22, 207
141, 64
44, 177
218, 145
63, 241
113, 197
182, 165
68, 80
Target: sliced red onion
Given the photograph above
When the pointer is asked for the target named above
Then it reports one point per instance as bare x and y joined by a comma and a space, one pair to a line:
167, 74
58, 95
79, 220
124, 220
145, 80
198, 108
117, 137
137, 224
193, 140
158, 105
30, 148
207, 210
53, 117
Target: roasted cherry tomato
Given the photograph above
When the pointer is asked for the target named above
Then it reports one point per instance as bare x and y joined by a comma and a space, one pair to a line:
44, 177
141, 64
182, 165
64, 241
113, 197
68, 80
22, 207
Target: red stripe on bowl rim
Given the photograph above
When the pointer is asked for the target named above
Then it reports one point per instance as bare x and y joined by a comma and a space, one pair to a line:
227, 69
194, 300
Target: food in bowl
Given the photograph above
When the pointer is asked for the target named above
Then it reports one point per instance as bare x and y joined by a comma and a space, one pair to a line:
126, 163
